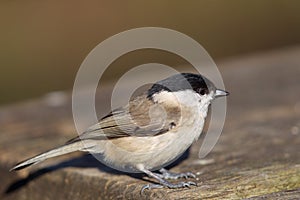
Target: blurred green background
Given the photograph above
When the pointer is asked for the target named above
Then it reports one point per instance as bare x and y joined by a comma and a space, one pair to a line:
44, 42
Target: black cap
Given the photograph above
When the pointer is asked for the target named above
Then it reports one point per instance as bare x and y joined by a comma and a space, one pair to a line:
181, 82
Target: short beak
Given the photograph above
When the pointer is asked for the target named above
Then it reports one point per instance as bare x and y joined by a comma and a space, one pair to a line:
221, 93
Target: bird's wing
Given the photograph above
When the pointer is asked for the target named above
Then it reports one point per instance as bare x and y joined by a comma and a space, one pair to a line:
142, 117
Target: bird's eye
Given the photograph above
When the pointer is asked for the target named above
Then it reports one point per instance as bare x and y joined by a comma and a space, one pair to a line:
202, 91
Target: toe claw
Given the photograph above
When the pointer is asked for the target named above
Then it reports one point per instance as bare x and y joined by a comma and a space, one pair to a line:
187, 184
145, 187
190, 174
149, 187
192, 183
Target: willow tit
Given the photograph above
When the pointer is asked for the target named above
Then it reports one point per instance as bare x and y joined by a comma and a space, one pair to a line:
150, 132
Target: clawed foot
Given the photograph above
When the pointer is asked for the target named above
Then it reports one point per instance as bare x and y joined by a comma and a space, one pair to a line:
170, 175
165, 174
168, 185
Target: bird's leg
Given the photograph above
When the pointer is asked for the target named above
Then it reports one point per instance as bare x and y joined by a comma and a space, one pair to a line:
165, 174
164, 183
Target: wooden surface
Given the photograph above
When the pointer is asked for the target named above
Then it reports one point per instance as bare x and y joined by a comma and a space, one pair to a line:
257, 155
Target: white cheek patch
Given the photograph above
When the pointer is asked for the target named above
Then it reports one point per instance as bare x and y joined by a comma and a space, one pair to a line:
207, 98
186, 97
204, 102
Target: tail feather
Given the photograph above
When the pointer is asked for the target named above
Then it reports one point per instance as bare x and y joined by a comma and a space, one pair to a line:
68, 148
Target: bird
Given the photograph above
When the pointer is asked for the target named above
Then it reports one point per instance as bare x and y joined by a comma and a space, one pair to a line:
153, 130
